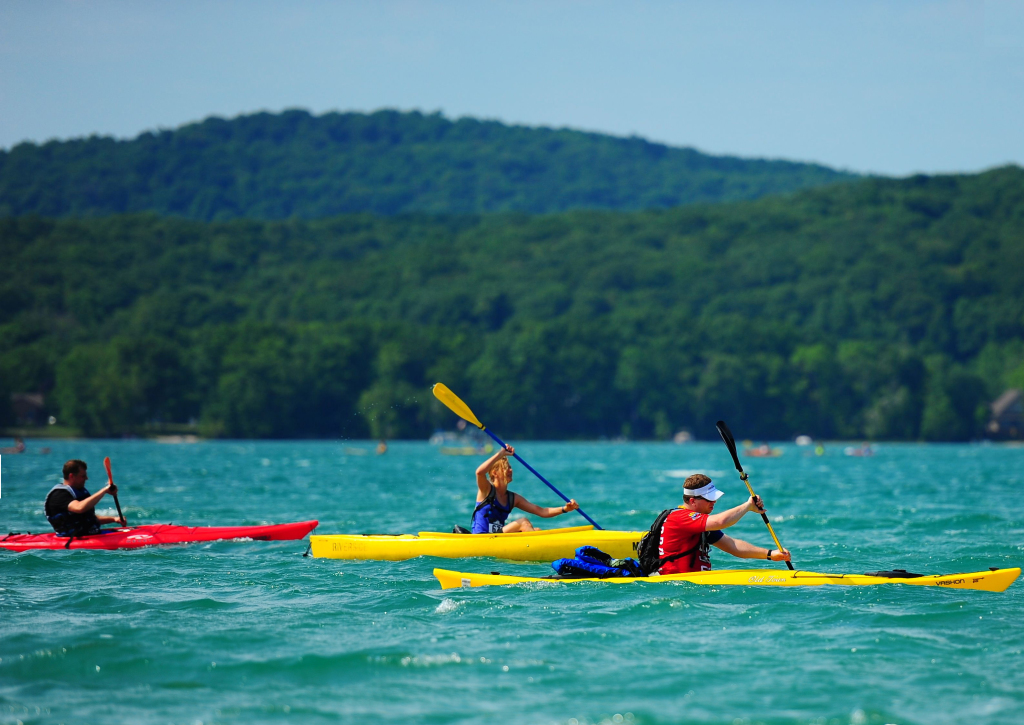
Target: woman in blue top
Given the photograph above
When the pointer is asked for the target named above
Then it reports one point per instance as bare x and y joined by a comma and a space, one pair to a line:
494, 502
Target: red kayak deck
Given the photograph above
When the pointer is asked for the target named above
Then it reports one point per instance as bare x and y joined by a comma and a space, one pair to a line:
137, 536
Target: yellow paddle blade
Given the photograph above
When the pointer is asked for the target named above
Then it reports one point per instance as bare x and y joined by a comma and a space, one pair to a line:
455, 404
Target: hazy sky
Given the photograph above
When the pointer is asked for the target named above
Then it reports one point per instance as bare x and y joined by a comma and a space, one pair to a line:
889, 87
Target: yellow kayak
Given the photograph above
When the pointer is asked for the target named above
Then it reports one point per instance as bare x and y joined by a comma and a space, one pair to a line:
993, 580
528, 546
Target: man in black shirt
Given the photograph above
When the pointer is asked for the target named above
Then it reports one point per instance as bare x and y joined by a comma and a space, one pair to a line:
71, 509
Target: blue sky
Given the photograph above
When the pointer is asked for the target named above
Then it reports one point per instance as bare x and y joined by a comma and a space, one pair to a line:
885, 87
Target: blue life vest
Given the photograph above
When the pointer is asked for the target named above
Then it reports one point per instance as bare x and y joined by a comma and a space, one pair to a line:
591, 562
72, 524
489, 516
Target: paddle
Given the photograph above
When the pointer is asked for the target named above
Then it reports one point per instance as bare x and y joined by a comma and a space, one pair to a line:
730, 442
110, 477
455, 404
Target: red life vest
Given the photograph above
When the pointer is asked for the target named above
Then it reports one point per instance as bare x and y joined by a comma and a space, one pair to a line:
684, 530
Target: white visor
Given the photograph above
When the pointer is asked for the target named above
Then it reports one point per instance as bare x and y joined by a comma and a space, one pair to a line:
709, 492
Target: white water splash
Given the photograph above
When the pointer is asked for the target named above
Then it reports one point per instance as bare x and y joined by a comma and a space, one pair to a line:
447, 605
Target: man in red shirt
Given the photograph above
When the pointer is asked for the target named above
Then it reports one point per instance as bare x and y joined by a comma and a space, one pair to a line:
689, 531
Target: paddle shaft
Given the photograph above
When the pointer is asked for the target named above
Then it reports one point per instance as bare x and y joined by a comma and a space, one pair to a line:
546, 481
110, 476
764, 517
730, 443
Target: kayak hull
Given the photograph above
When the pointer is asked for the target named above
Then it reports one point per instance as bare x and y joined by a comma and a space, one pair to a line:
527, 546
991, 581
135, 537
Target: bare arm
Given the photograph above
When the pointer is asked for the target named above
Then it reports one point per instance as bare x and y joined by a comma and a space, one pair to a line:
745, 550
544, 512
724, 520
482, 483
88, 504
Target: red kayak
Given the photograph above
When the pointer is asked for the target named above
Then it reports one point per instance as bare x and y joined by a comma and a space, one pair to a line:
137, 536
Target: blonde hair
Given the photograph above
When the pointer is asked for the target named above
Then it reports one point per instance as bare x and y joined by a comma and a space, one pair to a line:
501, 464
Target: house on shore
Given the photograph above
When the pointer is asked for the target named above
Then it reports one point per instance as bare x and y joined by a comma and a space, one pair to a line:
29, 408
1007, 421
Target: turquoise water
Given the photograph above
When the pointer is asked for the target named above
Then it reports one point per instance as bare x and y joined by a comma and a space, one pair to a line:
252, 632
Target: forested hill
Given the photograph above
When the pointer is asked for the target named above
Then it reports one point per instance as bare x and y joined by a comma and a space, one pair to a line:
293, 164
880, 308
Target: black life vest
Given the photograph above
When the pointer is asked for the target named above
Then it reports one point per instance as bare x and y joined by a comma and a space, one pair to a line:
72, 524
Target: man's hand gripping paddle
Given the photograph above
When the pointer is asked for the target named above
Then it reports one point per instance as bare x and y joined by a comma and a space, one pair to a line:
110, 477
455, 404
723, 430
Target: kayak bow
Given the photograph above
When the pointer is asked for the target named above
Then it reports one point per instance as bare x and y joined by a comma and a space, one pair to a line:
993, 580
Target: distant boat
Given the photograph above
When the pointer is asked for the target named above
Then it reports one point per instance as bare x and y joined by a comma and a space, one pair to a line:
484, 450
177, 439
762, 451
461, 443
862, 450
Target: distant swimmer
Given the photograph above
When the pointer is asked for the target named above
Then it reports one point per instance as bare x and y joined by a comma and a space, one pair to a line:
71, 509
688, 532
382, 447
19, 447
494, 502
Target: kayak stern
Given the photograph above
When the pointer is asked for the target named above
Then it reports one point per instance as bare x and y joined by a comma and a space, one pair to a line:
524, 546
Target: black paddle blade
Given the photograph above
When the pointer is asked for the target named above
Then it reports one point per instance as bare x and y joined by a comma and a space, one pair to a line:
730, 442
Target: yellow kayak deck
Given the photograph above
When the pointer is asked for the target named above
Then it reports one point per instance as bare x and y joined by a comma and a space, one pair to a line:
527, 546
993, 580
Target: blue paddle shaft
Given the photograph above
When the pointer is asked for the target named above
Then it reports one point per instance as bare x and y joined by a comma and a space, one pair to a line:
530, 468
